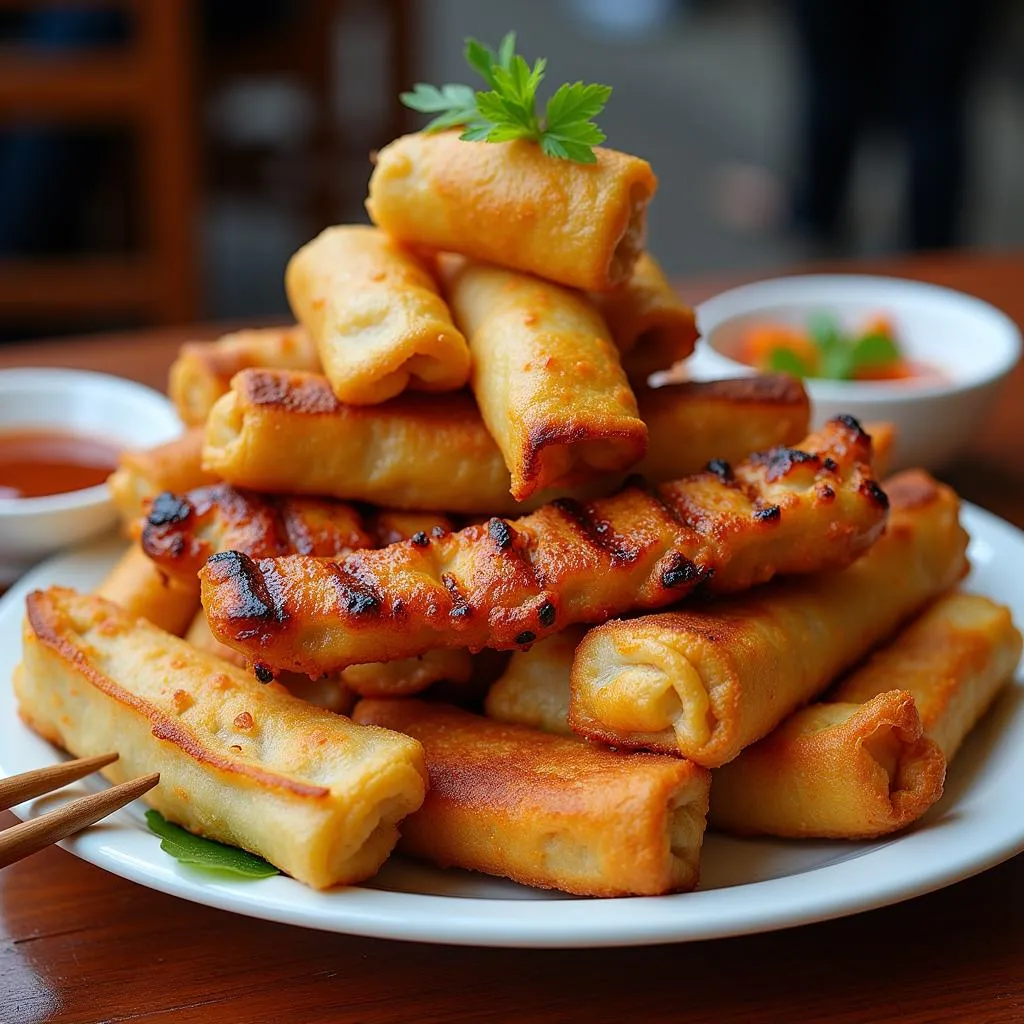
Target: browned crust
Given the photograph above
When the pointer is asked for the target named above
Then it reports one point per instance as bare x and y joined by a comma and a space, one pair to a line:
638, 549
50, 628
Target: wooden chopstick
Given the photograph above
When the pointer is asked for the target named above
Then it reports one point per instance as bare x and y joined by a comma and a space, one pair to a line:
32, 836
45, 780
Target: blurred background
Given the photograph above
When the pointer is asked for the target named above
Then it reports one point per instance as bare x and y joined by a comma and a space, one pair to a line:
160, 161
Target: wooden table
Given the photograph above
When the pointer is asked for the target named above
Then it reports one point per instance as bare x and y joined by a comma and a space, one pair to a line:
79, 945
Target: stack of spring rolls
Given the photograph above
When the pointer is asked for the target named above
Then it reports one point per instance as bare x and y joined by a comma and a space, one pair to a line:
471, 586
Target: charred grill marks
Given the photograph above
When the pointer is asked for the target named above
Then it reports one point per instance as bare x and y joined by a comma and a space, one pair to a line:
852, 424
678, 570
721, 469
598, 532
501, 533
420, 539
357, 596
768, 513
875, 493
460, 606
168, 510
779, 461
255, 601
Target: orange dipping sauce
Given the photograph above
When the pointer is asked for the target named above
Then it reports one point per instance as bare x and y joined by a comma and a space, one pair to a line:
35, 463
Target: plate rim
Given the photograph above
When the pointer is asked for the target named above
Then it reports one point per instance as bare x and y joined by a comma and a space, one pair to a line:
838, 889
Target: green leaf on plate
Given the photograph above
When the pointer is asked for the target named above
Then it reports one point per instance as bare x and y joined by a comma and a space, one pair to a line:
206, 853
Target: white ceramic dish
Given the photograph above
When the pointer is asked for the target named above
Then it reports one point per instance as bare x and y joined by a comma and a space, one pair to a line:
972, 344
747, 886
120, 411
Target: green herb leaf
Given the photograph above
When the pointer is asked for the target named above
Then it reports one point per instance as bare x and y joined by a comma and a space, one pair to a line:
205, 853
873, 350
507, 109
785, 360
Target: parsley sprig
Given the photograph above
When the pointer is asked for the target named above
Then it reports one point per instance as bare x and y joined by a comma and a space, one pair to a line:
507, 109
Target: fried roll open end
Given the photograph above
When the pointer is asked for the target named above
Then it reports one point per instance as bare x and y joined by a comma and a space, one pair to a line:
651, 326
506, 203
708, 682
203, 370
953, 660
243, 763
374, 310
835, 771
287, 433
547, 378
505, 584
141, 475
138, 586
548, 811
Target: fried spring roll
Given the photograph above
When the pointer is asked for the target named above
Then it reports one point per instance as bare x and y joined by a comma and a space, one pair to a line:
548, 811
287, 433
203, 370
240, 762
835, 771
534, 688
506, 203
329, 692
651, 326
869, 760
142, 475
706, 683
953, 660
138, 586
506, 584
180, 533
377, 317
546, 377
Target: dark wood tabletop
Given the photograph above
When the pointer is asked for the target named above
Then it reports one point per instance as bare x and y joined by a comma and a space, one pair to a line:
79, 945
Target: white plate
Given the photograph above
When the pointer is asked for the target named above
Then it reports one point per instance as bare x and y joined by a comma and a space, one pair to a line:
747, 886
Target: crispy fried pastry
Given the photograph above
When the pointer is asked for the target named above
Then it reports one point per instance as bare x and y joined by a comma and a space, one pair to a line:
506, 203
708, 682
953, 660
651, 326
287, 433
506, 584
546, 377
203, 370
377, 317
833, 770
240, 762
139, 587
141, 475
549, 811
534, 688
180, 533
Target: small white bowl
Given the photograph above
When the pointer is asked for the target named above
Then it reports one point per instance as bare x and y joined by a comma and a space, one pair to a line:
120, 411
972, 344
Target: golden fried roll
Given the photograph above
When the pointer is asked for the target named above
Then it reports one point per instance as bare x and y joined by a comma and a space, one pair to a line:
548, 811
240, 762
506, 203
534, 688
651, 326
721, 421
180, 533
506, 584
835, 771
203, 370
287, 433
546, 377
376, 315
708, 682
138, 586
142, 475
408, 676
953, 660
